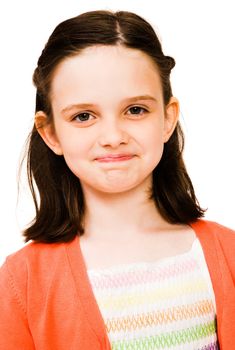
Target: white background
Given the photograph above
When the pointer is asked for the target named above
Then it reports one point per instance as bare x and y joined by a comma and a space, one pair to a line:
198, 34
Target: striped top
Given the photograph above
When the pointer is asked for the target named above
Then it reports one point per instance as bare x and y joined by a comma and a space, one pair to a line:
168, 304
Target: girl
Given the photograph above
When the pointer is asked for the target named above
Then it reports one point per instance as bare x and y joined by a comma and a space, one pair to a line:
120, 256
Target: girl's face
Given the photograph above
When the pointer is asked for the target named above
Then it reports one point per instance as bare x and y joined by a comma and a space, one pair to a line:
110, 122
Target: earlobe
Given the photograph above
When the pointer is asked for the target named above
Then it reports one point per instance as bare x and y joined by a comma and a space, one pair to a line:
171, 118
47, 132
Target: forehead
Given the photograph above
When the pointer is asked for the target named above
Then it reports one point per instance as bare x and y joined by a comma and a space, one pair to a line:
104, 69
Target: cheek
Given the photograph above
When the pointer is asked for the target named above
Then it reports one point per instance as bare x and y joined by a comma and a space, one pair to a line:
75, 153
153, 136
74, 156
153, 144
75, 149
72, 142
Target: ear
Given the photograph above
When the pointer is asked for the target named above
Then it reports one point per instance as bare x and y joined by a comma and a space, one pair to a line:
171, 118
47, 132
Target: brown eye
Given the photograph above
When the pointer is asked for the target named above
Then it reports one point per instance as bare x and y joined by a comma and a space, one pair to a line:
82, 117
137, 110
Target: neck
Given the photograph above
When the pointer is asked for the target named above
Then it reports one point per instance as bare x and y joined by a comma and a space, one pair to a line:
119, 215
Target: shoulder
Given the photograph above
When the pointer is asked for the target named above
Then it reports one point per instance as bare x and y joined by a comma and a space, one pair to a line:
34, 251
33, 260
218, 242
31, 270
215, 230
220, 236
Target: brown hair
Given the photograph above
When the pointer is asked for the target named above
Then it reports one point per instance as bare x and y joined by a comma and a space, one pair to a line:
60, 211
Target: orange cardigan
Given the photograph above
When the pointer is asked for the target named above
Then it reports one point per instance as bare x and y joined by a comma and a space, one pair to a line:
47, 303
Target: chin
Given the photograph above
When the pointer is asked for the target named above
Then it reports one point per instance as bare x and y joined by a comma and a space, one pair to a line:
119, 188
118, 184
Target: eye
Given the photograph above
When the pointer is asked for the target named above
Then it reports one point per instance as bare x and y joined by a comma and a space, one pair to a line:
82, 117
137, 110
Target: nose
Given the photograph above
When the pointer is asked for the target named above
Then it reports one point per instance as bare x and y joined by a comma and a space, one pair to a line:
113, 133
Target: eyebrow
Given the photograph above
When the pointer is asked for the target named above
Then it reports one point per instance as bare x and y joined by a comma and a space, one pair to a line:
127, 100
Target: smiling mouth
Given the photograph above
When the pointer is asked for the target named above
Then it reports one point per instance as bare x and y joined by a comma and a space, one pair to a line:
114, 159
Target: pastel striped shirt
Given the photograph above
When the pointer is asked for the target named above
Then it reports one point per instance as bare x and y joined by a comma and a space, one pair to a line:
168, 304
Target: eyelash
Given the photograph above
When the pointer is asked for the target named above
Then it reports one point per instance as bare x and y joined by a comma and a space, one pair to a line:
144, 110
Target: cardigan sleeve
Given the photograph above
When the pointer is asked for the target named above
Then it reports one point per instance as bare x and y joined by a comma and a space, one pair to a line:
14, 329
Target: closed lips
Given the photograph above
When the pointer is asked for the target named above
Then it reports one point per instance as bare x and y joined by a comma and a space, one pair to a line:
115, 157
